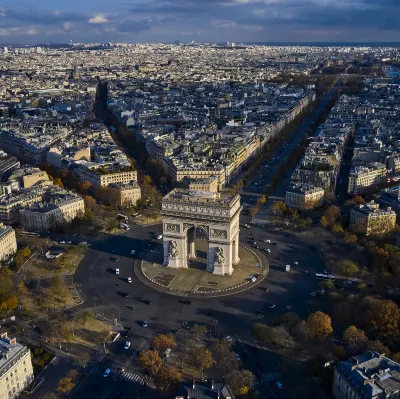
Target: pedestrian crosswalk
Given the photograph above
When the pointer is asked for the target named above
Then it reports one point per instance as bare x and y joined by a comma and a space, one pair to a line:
271, 377
120, 375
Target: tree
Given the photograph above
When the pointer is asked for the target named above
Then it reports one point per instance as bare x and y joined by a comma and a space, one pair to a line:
225, 359
147, 180
253, 211
167, 379
377, 346
332, 214
57, 286
354, 339
21, 288
261, 333
202, 359
58, 182
327, 285
65, 385
337, 228
197, 332
384, 317
163, 342
350, 238
290, 320
278, 208
151, 361
324, 222
8, 303
82, 359
348, 267
319, 324
26, 252
102, 337
241, 382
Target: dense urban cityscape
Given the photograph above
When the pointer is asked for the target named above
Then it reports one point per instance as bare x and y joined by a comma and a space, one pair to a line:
199, 220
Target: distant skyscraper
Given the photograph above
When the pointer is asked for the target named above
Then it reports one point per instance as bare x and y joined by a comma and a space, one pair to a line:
5, 50
177, 42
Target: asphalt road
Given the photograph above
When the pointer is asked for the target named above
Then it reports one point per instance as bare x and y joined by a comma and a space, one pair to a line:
234, 315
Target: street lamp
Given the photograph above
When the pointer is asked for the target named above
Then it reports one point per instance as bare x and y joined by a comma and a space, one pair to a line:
94, 298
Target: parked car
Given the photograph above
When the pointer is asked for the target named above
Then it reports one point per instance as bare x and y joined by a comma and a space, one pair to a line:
116, 271
106, 373
279, 385
129, 279
127, 345
145, 323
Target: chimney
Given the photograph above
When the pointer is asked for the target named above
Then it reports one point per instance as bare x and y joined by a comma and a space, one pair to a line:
212, 384
3, 335
13, 341
194, 385
219, 394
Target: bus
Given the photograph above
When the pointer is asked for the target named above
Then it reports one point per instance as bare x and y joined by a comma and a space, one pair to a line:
124, 226
324, 276
31, 233
122, 217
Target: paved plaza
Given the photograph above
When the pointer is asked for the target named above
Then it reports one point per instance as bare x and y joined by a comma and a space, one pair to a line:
196, 278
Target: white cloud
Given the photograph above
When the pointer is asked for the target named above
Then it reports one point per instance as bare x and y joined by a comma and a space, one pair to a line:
98, 19
4, 32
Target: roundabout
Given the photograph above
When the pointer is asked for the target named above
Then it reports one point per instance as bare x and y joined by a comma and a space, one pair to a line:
196, 281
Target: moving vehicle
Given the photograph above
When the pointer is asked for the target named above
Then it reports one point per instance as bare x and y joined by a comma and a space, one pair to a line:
279, 385
129, 279
159, 236
272, 306
247, 226
122, 217
145, 323
287, 268
106, 373
116, 271
268, 241
324, 276
124, 226
133, 252
127, 345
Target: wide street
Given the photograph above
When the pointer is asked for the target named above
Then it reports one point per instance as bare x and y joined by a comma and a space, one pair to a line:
104, 292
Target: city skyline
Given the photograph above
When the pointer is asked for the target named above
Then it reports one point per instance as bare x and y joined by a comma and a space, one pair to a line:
206, 21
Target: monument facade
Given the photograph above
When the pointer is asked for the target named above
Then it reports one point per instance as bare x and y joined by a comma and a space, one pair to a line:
217, 215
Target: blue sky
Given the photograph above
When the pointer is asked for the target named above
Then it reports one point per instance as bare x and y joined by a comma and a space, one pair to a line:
55, 21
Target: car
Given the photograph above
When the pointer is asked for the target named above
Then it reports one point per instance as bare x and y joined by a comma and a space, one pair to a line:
289, 307
145, 323
133, 252
259, 313
62, 242
268, 250
247, 226
253, 279
129, 279
272, 306
279, 258
296, 263
125, 295
228, 338
106, 372
274, 243
268, 241
159, 236
127, 345
129, 328
116, 271
124, 334
69, 242
348, 282
116, 259
147, 302
279, 385
167, 352
188, 302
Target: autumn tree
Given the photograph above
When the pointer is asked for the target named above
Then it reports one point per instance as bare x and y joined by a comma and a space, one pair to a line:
241, 382
379, 347
151, 361
278, 208
350, 238
319, 324
65, 385
21, 289
102, 337
167, 379
163, 342
261, 333
332, 214
383, 317
82, 359
354, 339
198, 332
202, 359
348, 267
253, 211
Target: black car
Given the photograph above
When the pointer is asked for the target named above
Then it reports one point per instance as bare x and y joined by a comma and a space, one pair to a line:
147, 302
188, 302
125, 294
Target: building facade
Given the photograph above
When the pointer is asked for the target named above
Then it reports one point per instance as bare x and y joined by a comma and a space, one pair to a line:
364, 178
369, 219
58, 211
8, 241
304, 196
128, 194
16, 371
367, 376
206, 184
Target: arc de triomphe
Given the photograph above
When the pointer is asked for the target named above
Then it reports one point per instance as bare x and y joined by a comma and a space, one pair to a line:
183, 211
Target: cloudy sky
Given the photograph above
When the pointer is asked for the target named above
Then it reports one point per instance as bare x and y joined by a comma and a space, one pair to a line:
56, 21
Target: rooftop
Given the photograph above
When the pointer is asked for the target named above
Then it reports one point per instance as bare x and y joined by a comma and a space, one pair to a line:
201, 197
10, 352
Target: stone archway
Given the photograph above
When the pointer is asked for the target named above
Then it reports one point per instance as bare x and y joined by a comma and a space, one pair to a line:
184, 211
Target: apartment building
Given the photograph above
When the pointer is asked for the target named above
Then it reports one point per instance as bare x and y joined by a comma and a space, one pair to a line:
369, 219
128, 194
367, 376
390, 197
59, 209
304, 196
363, 178
8, 241
102, 178
16, 371
206, 184
8, 164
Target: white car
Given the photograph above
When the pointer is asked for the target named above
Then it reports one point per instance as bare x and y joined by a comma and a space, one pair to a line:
127, 345
168, 352
133, 252
62, 242
116, 271
237, 357
145, 323
159, 236
129, 279
268, 241
106, 372
272, 306
253, 279
268, 250
296, 263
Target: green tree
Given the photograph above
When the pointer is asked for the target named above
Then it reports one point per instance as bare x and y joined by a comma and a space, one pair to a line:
348, 267
261, 333
197, 332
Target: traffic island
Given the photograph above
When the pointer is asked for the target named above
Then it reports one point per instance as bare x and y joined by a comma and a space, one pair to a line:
195, 281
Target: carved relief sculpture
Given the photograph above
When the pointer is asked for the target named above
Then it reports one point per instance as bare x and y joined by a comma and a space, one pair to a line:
219, 256
169, 227
219, 233
173, 250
